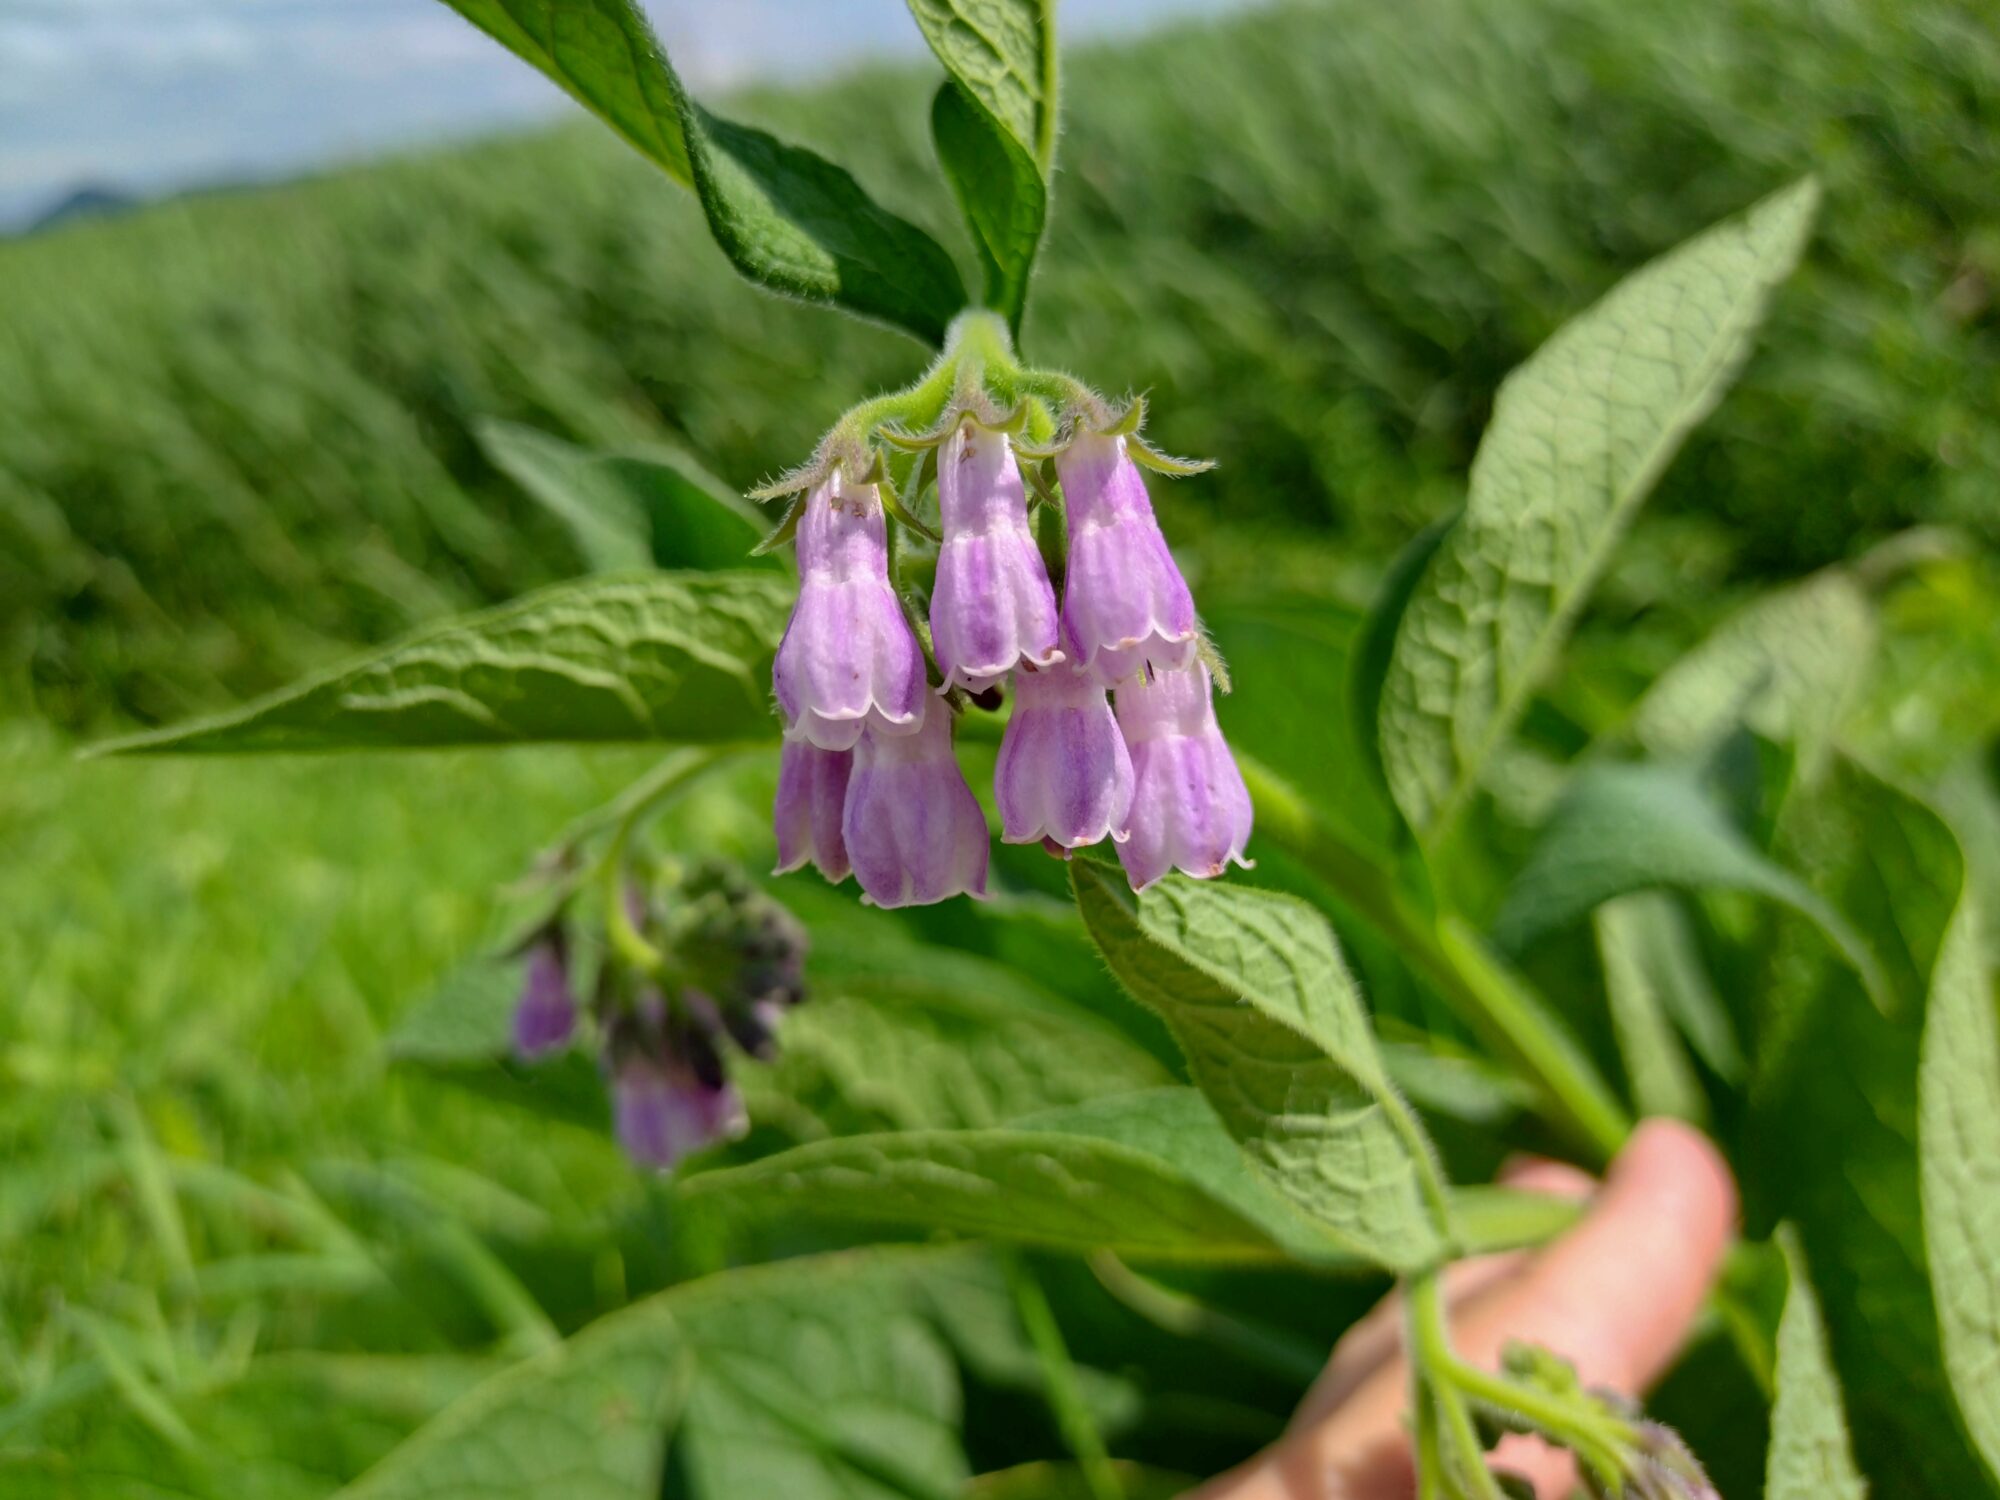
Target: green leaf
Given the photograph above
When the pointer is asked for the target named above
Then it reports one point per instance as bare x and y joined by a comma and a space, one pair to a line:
815, 1379
1622, 828
1375, 642
1150, 1176
630, 510
902, 1051
1662, 1077
661, 656
994, 125
1003, 54
787, 218
1050, 1481
1831, 1141
588, 1419
1253, 988
1789, 665
1809, 1457
1579, 435
1959, 1153
1000, 191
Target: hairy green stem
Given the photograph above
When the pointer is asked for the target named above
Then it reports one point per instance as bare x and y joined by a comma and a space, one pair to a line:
1507, 1016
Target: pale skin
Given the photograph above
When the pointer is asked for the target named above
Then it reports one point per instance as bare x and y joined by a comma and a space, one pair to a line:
1615, 1295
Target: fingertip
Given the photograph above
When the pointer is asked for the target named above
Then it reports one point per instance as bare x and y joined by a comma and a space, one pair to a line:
1677, 1169
1539, 1174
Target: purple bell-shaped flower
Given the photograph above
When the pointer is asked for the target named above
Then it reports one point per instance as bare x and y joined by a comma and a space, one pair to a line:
669, 1094
849, 660
545, 1015
1190, 809
991, 606
1125, 605
912, 828
1064, 775
812, 790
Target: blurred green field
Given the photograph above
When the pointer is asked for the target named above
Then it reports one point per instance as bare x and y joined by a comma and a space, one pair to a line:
237, 426
236, 440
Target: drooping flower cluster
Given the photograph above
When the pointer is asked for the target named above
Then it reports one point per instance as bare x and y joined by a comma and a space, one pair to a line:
723, 962
1113, 731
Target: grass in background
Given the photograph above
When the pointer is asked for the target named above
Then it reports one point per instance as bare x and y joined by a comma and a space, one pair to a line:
237, 427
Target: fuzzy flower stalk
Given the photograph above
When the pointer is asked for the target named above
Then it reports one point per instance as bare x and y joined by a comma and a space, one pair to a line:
1044, 578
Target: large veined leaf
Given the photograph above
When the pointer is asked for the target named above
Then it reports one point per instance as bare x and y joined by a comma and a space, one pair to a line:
1252, 986
994, 124
1150, 1175
816, 1379
785, 216
587, 1419
660, 656
1959, 1153
1831, 1140
630, 510
1623, 828
1579, 435
1809, 1457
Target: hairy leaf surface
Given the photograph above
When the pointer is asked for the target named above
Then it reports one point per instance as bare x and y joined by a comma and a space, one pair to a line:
660, 656
1253, 988
1809, 1457
1959, 1155
1579, 435
785, 216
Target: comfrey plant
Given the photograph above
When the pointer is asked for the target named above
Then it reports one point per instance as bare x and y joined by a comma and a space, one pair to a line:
868, 783
980, 576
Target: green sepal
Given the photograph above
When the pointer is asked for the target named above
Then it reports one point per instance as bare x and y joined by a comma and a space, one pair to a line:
785, 530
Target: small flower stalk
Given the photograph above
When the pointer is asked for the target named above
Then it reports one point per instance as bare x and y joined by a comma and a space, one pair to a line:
1062, 596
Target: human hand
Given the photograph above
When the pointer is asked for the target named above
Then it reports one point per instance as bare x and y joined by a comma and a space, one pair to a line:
1615, 1295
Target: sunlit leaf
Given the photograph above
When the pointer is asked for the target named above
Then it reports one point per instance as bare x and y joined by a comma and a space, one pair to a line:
1253, 988
1579, 435
788, 218
661, 656
1959, 1155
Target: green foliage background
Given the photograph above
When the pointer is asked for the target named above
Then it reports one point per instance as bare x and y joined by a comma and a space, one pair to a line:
239, 427
239, 438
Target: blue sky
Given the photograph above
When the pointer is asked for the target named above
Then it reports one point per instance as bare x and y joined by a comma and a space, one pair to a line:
145, 96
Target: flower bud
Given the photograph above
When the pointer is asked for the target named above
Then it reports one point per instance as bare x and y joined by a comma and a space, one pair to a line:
991, 606
812, 789
1064, 774
849, 660
669, 1094
912, 827
545, 1015
1125, 604
1190, 809
663, 1111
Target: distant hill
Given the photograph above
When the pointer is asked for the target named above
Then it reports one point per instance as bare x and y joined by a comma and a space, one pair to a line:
88, 202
